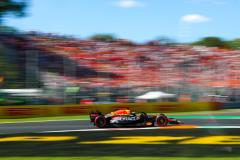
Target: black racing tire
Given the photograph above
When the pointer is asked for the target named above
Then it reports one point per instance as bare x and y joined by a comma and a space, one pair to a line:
162, 120
163, 115
100, 122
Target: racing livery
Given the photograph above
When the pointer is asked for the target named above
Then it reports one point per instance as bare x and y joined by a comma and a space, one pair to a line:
125, 118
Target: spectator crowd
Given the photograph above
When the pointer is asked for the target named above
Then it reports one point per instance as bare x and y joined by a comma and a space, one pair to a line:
182, 69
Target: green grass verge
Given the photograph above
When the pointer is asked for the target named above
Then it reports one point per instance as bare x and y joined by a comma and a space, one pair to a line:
116, 158
59, 118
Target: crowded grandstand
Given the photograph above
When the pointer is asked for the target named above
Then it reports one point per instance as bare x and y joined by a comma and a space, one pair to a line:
119, 70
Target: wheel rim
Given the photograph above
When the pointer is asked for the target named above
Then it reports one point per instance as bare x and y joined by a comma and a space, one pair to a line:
100, 122
161, 121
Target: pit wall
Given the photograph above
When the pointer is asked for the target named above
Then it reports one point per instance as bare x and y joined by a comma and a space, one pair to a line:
68, 110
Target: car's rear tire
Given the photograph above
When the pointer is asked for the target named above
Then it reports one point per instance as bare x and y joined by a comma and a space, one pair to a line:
100, 122
162, 120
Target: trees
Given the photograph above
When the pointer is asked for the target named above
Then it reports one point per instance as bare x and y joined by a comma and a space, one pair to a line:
9, 73
211, 42
218, 42
12, 7
234, 44
103, 37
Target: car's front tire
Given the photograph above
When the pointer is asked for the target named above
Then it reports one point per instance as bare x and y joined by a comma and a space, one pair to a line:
162, 120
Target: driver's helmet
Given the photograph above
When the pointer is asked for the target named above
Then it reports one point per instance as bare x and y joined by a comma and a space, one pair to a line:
121, 112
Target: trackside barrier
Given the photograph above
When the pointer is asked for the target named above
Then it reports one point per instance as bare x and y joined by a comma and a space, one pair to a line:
65, 110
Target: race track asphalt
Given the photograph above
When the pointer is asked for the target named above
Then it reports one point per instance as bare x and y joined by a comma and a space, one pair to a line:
34, 139
88, 144
36, 127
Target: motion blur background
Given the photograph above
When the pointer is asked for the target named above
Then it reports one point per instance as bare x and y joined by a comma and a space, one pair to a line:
81, 52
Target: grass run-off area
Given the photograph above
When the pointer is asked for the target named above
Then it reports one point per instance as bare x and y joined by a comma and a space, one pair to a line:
210, 114
118, 158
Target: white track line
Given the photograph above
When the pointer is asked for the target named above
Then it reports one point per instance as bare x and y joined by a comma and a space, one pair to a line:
101, 129
131, 129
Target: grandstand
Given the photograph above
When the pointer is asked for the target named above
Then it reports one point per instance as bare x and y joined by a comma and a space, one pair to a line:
120, 69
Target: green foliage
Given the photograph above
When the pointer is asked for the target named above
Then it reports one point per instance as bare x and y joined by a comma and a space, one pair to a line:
7, 29
234, 44
12, 7
211, 42
103, 37
218, 42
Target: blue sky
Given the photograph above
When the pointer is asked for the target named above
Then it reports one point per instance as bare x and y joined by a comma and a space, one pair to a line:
137, 20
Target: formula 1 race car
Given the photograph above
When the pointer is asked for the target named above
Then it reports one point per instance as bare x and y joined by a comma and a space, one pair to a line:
131, 119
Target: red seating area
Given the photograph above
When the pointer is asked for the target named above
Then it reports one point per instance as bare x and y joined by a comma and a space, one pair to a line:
146, 65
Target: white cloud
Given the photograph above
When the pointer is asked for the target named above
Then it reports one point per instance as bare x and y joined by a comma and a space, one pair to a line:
195, 18
129, 3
